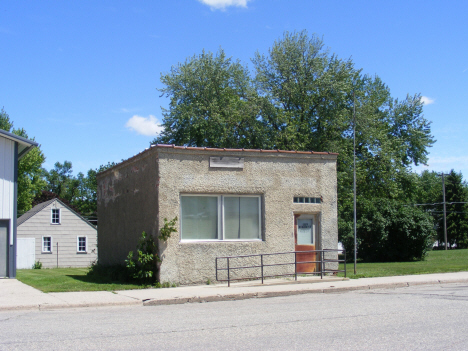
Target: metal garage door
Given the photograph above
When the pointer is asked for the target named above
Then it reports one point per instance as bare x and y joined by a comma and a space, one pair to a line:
25, 255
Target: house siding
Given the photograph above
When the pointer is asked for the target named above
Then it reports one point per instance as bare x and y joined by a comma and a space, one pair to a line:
64, 234
170, 172
7, 180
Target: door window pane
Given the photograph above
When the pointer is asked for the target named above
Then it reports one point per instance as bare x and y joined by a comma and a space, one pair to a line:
199, 217
305, 232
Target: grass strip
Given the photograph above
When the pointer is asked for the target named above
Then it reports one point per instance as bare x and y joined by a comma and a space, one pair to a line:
438, 261
75, 279
70, 279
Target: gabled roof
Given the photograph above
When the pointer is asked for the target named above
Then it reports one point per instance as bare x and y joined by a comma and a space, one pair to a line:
24, 145
38, 208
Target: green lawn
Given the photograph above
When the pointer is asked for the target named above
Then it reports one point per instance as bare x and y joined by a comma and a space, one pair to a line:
439, 261
68, 279
75, 279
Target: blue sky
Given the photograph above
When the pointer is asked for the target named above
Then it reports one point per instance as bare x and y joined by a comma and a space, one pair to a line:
78, 75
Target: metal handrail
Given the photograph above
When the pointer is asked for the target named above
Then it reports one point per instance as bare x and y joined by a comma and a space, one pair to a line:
322, 262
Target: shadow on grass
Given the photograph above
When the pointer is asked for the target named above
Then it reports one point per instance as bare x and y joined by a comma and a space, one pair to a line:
99, 280
116, 275
106, 275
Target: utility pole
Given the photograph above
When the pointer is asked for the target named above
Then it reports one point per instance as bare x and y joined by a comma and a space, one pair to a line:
354, 178
445, 213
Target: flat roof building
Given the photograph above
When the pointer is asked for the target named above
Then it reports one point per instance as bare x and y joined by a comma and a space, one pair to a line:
228, 202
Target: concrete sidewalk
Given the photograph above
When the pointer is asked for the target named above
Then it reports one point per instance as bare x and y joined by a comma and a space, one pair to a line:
15, 295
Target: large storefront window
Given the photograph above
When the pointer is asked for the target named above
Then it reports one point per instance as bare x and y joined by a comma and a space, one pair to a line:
221, 217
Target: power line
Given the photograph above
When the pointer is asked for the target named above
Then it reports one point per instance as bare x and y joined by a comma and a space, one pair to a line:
436, 203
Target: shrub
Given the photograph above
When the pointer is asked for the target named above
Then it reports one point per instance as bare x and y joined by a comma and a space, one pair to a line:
390, 231
37, 265
143, 267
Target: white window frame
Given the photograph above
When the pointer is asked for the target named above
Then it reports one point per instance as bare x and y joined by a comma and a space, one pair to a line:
51, 244
220, 206
78, 244
52, 216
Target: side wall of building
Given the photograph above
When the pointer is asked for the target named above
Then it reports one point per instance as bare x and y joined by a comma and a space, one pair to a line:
7, 206
276, 177
7, 180
127, 206
64, 234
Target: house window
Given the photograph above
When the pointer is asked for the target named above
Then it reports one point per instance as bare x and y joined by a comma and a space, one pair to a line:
47, 244
55, 216
81, 244
220, 217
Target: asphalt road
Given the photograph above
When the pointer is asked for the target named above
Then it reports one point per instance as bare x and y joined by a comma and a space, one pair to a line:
414, 318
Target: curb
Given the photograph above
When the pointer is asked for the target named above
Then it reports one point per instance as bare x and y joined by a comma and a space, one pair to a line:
234, 296
48, 307
243, 296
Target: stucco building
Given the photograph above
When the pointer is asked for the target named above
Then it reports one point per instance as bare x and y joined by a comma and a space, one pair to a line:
228, 202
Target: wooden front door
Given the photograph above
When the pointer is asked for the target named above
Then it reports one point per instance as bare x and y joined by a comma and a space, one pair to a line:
305, 240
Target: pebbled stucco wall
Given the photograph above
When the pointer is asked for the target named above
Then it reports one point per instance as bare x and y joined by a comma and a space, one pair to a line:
128, 204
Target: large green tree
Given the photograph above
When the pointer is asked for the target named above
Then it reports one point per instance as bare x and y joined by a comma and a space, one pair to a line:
212, 103
30, 174
302, 97
312, 94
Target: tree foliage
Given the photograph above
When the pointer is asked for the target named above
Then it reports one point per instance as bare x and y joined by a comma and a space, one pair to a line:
212, 103
302, 97
30, 176
79, 191
391, 231
60, 181
5, 122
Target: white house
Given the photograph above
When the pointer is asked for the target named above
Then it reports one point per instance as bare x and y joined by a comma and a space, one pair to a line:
12, 149
55, 235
